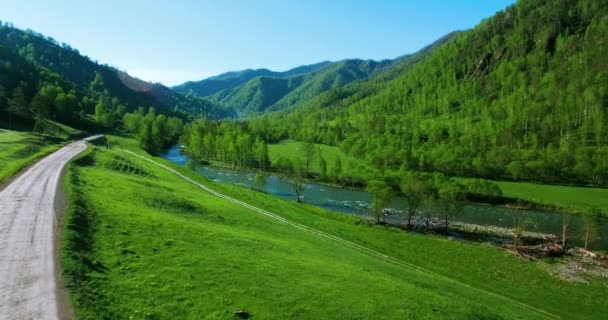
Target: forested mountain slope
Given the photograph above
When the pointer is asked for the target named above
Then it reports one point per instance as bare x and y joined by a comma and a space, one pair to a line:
262, 93
83, 73
229, 80
523, 95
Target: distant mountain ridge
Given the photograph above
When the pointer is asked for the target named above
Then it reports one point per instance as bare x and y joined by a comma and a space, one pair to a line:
231, 79
253, 92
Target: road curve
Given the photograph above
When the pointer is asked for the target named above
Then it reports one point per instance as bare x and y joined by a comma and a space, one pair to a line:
28, 225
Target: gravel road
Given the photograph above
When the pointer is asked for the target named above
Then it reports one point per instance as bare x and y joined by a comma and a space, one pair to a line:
28, 228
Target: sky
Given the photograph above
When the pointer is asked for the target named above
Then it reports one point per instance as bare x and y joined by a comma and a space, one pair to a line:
187, 40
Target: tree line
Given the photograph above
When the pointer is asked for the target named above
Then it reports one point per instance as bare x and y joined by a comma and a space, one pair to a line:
225, 142
155, 132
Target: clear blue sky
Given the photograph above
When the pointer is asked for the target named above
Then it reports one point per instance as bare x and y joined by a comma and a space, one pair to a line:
175, 41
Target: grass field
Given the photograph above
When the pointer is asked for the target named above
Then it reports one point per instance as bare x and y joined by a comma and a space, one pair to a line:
19, 149
290, 149
579, 198
140, 243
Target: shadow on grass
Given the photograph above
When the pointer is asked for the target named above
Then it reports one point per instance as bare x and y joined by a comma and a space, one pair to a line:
82, 271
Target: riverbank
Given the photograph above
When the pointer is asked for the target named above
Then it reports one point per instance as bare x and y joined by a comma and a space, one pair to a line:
358, 202
167, 249
527, 196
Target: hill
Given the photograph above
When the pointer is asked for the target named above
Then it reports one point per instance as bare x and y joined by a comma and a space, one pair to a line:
82, 73
229, 80
271, 93
522, 96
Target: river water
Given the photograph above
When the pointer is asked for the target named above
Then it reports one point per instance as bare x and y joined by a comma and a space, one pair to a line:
357, 202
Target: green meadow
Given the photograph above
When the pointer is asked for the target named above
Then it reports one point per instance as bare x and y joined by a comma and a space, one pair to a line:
141, 243
19, 149
578, 198
574, 198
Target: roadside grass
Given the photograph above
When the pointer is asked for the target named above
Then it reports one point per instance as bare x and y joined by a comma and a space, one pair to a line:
154, 247
578, 198
290, 149
160, 248
19, 149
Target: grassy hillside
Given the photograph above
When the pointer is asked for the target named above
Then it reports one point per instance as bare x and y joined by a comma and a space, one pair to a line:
165, 249
521, 97
84, 75
274, 93
19, 149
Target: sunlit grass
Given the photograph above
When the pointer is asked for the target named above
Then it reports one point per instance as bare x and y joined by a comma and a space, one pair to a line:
19, 149
153, 246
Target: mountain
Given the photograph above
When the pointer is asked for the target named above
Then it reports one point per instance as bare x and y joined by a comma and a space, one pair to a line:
522, 96
229, 80
68, 63
264, 93
254, 92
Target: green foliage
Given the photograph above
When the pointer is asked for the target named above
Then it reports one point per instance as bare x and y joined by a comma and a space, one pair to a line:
234, 79
416, 191
191, 165
18, 150
482, 187
260, 181
227, 142
41, 79
155, 132
521, 96
592, 218
575, 198
191, 255
451, 196
332, 157
97, 80
381, 198
276, 91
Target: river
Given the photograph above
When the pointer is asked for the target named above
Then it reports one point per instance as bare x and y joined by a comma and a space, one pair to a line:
357, 202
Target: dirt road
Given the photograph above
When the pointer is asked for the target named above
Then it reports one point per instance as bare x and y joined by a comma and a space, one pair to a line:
28, 226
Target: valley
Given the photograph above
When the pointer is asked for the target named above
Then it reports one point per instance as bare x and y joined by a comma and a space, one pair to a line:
463, 178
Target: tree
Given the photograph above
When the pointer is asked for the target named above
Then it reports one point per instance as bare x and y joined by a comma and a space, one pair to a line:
41, 105
191, 165
337, 170
259, 181
592, 219
416, 191
566, 219
381, 198
297, 180
515, 169
101, 114
322, 166
146, 141
260, 151
308, 151
451, 195
17, 104
519, 223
